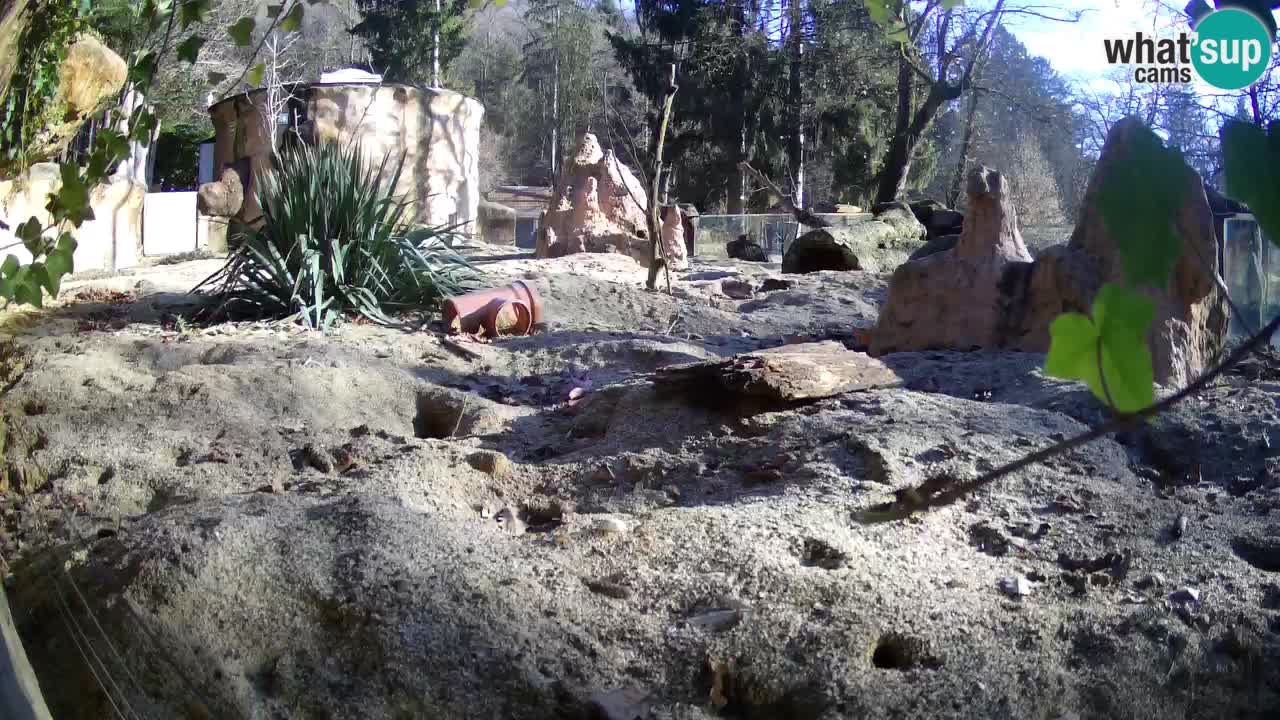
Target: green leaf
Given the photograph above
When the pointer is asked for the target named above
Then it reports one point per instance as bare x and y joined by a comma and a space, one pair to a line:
40, 276
878, 10
143, 126
242, 31
1124, 318
193, 11
189, 49
9, 266
1072, 347
1251, 157
26, 289
71, 201
31, 233
1140, 199
254, 76
60, 262
143, 67
1111, 346
293, 20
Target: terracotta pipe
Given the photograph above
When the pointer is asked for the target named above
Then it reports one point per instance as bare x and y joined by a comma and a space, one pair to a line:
507, 317
473, 311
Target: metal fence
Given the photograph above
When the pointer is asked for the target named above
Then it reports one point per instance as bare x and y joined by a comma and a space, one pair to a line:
1250, 265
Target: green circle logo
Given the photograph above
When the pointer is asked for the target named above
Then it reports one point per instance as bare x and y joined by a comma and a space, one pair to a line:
1232, 49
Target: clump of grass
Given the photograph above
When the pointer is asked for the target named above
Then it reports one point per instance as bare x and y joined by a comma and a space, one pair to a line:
334, 242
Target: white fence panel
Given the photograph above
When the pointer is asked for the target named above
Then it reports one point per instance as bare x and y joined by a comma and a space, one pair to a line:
169, 223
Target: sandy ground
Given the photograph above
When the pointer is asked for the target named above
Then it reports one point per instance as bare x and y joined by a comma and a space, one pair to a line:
266, 522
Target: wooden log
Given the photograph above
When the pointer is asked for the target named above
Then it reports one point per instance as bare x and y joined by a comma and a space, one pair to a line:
790, 373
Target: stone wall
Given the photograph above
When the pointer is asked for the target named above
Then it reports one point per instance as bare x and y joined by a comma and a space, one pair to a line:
112, 240
437, 130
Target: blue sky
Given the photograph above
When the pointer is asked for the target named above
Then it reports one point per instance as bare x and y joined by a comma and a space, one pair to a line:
1075, 49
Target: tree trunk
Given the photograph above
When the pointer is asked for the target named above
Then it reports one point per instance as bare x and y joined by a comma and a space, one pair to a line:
897, 161
966, 143
795, 102
435, 49
555, 104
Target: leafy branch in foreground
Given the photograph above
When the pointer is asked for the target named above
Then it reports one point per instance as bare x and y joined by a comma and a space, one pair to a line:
333, 242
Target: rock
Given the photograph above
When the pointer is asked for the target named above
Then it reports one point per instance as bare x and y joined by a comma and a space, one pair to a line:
222, 198
788, 373
924, 210
745, 249
736, 289
491, 462
1185, 595
620, 704
89, 74
952, 298
899, 216
775, 284
1191, 315
599, 207
1017, 586
936, 245
830, 208
986, 293
876, 244
945, 222
673, 237
609, 525
1150, 582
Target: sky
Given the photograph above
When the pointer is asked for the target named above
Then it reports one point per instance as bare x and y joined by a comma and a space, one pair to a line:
1075, 49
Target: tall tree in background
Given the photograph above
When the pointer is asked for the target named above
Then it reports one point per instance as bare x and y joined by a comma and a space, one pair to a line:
412, 40
940, 49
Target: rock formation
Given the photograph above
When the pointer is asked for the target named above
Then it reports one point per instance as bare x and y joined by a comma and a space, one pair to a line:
744, 248
876, 244
674, 227
222, 197
599, 206
218, 202
987, 293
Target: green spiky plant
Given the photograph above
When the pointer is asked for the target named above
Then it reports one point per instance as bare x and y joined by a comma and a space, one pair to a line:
334, 242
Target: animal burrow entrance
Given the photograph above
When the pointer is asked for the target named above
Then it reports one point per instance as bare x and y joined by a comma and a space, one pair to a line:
817, 553
438, 415
542, 518
893, 651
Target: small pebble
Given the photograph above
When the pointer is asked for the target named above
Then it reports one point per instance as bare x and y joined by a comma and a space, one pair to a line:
609, 525
1016, 586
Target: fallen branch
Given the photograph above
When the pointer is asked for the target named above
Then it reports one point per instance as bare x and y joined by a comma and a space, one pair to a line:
802, 216
941, 491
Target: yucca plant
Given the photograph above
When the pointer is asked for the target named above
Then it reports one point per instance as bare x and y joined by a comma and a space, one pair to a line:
333, 242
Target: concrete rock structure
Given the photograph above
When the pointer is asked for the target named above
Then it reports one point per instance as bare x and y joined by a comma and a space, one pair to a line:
986, 292
438, 132
599, 206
